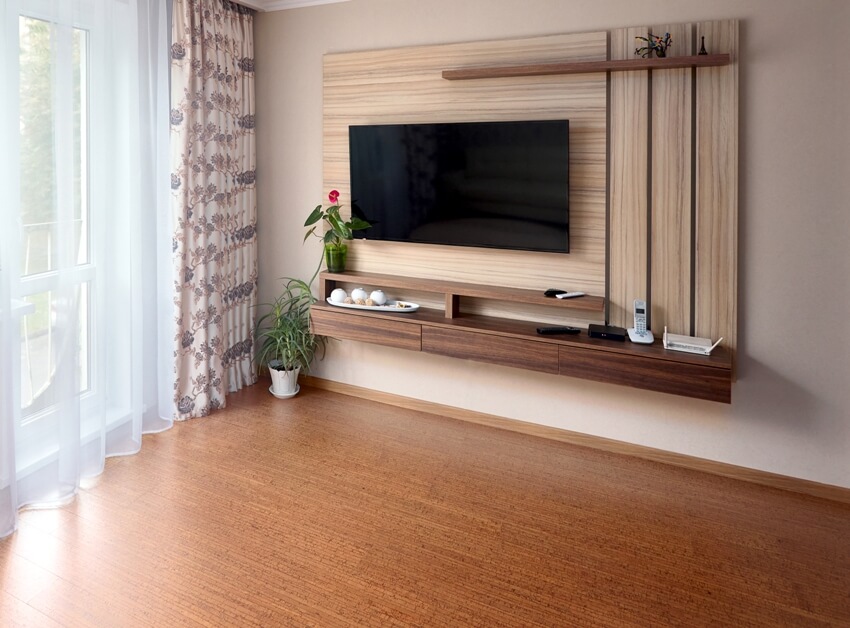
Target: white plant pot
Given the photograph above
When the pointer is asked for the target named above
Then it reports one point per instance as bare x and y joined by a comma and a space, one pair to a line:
284, 383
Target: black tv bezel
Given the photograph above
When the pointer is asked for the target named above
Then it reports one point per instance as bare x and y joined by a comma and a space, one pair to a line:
364, 234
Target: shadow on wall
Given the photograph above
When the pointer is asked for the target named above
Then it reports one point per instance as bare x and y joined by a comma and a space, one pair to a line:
764, 395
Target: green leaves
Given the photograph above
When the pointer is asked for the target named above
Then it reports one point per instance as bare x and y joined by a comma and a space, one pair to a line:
338, 228
358, 224
316, 215
283, 332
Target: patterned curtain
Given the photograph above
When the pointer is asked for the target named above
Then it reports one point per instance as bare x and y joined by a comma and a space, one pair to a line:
214, 202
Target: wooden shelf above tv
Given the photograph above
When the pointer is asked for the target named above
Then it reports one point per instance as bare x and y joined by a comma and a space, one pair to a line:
516, 343
587, 67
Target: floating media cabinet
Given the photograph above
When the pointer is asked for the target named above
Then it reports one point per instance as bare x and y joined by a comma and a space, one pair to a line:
515, 343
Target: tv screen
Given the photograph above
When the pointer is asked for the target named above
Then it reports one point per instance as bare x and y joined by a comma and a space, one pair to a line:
489, 184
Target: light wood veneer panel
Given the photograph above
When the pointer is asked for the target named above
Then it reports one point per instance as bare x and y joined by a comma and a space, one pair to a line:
383, 331
628, 181
493, 349
670, 225
406, 85
672, 250
716, 261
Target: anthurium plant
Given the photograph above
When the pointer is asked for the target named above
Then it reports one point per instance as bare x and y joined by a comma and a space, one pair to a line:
339, 229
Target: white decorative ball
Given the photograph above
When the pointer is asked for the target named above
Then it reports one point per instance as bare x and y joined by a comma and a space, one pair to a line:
378, 297
359, 294
338, 295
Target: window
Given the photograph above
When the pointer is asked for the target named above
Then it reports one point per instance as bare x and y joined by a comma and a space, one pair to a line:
53, 265
54, 212
82, 147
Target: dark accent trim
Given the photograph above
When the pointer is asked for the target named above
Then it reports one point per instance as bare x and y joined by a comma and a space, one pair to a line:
608, 196
648, 270
607, 312
692, 296
693, 208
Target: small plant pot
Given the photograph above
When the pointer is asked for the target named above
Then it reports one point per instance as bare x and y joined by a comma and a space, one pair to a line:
284, 383
335, 256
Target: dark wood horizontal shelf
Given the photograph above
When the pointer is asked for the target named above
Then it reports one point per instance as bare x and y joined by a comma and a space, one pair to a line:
516, 343
527, 330
459, 289
587, 67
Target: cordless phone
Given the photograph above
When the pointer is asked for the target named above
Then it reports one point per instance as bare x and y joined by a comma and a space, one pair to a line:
639, 333
640, 317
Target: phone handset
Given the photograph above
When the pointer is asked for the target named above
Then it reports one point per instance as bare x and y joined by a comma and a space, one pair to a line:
639, 333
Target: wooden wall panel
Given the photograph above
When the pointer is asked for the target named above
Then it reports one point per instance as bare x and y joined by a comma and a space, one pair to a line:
628, 181
687, 196
670, 213
405, 85
670, 217
716, 260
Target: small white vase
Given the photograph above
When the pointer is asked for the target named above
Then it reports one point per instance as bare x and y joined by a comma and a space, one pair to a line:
284, 383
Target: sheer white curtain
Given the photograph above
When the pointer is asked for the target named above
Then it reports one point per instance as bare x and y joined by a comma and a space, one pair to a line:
86, 363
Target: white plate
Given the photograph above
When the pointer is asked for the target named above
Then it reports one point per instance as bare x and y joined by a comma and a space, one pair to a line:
389, 307
297, 388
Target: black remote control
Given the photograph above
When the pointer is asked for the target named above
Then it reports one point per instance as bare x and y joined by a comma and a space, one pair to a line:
551, 331
553, 292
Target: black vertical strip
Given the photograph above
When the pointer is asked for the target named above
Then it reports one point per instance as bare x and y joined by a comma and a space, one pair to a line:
608, 187
648, 269
693, 274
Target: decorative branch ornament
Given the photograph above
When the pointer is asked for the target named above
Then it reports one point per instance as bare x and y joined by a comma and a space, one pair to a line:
654, 43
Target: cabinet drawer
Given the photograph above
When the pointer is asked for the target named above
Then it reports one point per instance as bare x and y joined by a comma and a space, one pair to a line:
381, 330
516, 352
651, 373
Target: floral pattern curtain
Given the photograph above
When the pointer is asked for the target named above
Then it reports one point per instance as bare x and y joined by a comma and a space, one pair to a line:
214, 202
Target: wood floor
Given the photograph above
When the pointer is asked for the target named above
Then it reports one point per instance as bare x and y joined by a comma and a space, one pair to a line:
327, 510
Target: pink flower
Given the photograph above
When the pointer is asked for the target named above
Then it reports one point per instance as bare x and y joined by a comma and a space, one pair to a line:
333, 197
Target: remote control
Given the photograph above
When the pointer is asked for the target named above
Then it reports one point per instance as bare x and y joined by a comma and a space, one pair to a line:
553, 292
551, 331
569, 295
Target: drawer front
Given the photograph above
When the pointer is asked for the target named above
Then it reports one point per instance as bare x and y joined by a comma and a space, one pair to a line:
690, 380
378, 330
524, 354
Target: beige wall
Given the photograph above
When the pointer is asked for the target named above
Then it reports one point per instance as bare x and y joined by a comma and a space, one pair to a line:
790, 412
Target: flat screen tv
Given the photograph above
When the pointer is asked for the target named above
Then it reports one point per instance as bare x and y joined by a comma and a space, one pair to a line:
487, 184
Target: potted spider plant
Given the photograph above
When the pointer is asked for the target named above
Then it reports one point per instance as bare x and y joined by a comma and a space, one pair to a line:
286, 344
338, 232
